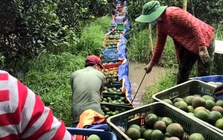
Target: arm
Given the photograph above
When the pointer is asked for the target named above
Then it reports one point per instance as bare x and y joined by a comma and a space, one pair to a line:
160, 43
102, 86
32, 118
71, 82
219, 90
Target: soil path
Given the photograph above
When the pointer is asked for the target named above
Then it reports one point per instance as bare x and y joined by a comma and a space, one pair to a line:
136, 73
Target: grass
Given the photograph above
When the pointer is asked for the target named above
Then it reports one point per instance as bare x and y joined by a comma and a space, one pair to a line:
92, 36
49, 74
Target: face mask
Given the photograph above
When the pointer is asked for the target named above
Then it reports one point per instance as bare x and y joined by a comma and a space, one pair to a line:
153, 23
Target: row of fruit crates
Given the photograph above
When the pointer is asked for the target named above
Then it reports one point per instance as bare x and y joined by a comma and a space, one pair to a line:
114, 99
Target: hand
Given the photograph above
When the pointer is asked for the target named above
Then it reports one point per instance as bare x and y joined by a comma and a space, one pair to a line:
149, 67
203, 53
218, 90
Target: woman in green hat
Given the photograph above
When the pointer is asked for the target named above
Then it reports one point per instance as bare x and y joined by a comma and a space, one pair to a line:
193, 39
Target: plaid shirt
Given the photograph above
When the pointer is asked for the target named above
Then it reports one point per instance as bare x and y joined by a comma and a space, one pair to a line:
184, 28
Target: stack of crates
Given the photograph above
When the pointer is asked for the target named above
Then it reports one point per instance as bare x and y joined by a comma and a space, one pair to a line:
192, 88
114, 100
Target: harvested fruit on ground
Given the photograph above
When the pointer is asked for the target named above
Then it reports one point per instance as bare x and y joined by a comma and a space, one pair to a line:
93, 137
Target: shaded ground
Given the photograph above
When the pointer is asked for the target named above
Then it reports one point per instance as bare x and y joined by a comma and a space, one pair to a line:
136, 73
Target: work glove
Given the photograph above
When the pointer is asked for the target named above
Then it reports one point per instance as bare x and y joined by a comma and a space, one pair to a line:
218, 90
203, 53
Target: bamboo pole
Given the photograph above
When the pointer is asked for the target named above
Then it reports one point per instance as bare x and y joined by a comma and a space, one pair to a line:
185, 5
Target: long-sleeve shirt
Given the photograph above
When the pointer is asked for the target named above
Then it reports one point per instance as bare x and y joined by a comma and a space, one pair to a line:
23, 114
184, 28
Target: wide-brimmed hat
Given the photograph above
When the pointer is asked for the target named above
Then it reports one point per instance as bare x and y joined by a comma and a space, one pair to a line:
150, 12
93, 59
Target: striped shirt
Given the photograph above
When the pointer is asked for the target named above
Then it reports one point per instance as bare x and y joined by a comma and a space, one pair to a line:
23, 114
184, 28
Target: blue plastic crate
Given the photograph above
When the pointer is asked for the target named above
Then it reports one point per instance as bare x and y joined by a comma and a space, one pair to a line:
211, 78
104, 135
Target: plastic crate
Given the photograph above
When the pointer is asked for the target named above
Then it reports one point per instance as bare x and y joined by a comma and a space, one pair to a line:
115, 107
112, 80
212, 78
115, 85
190, 126
185, 89
120, 27
87, 132
116, 96
111, 65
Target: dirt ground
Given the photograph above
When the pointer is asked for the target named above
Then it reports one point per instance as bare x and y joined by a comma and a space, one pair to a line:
136, 73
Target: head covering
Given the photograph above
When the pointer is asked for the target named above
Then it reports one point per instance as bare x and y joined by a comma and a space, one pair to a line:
150, 12
92, 60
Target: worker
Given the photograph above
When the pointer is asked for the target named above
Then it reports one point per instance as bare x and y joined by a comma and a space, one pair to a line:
218, 90
23, 115
193, 39
87, 88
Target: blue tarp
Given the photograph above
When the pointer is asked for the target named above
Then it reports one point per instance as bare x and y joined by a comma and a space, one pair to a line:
128, 87
123, 70
122, 52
